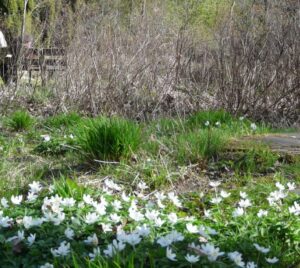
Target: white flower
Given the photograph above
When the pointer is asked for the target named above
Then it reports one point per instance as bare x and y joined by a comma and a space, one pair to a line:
160, 196
206, 123
142, 231
142, 185
106, 227
261, 213
21, 235
273, 260
170, 255
207, 213
192, 258
238, 212
114, 248
253, 126
16, 200
29, 222
100, 208
95, 254
167, 240
110, 184
174, 199
243, 195
211, 251
47, 265
125, 197
68, 202
251, 265
244, 203
214, 184
46, 138
241, 118
218, 124
152, 215
69, 233
92, 240
91, 218
4, 202
216, 200
88, 199
35, 187
5, 221
224, 194
291, 186
295, 209
135, 215
193, 229
62, 250
211, 231
261, 249
32, 197
279, 186
133, 239
31, 239
236, 257
172, 217
117, 205
115, 218
159, 222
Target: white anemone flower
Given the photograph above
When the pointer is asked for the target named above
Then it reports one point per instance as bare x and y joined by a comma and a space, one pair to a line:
279, 186
110, 184
244, 203
175, 200
133, 239
206, 123
143, 231
96, 252
117, 205
142, 186
16, 200
4, 202
170, 255
91, 218
31, 239
272, 260
47, 265
224, 194
236, 257
193, 229
192, 258
262, 213
291, 186
211, 251
35, 187
251, 265
295, 209
92, 240
115, 218
63, 250
216, 200
68, 202
215, 184
152, 215
31, 197
238, 212
243, 195
261, 249
69, 233
172, 217
88, 199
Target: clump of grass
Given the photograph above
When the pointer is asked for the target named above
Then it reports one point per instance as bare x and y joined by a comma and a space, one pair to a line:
108, 139
200, 144
62, 120
20, 120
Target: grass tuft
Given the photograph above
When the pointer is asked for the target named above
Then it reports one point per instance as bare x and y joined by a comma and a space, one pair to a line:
20, 120
108, 139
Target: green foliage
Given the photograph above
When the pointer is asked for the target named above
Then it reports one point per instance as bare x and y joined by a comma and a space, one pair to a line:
200, 144
108, 138
257, 159
62, 120
20, 120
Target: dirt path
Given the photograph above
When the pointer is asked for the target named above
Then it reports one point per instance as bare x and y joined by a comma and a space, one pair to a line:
285, 143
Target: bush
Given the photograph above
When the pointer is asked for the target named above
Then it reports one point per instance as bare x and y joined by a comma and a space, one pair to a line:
20, 120
108, 138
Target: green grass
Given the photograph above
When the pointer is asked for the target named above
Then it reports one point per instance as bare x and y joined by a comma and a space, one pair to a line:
62, 120
108, 139
20, 120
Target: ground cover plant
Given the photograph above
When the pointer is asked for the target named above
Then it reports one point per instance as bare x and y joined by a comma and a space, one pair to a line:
181, 194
